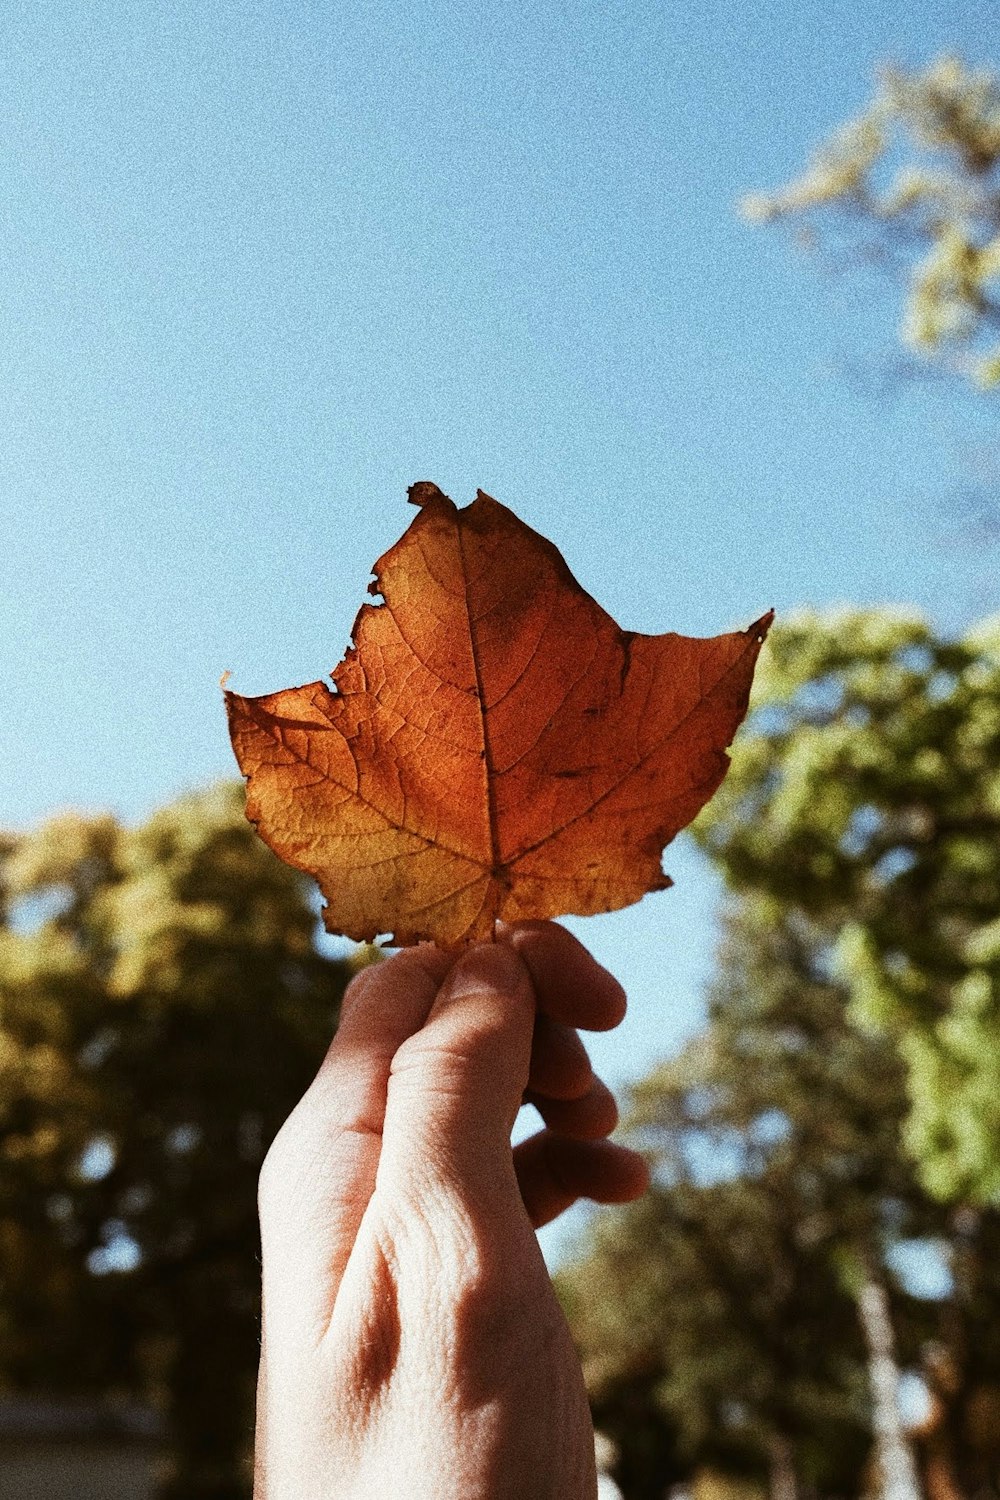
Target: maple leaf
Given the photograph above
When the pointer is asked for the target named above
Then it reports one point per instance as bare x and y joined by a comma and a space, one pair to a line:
495, 746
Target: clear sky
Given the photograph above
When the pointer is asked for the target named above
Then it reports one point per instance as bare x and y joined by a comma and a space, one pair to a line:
263, 265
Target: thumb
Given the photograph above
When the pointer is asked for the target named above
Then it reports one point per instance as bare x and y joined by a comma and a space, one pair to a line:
456, 1085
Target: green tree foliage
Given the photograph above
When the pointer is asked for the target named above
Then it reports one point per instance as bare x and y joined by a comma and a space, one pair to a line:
842, 1105
773, 1139
162, 1007
912, 185
723, 1308
864, 798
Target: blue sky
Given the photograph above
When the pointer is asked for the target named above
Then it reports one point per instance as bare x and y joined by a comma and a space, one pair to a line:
265, 265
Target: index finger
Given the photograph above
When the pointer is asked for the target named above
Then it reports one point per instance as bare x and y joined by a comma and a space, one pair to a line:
570, 985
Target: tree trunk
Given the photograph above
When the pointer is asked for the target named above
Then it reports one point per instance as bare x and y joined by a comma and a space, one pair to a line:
784, 1481
893, 1454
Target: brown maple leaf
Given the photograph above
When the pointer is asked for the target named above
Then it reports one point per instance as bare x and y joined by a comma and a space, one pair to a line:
495, 746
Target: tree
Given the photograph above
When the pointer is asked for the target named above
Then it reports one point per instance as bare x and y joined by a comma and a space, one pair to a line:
163, 1007
729, 1306
864, 797
864, 805
912, 186
774, 1139
846, 1087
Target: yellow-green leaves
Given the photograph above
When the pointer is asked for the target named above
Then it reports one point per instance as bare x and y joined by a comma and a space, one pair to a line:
910, 187
864, 799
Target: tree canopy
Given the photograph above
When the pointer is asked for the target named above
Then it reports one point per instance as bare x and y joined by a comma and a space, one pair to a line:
720, 1319
726, 1292
839, 1113
163, 1007
911, 185
864, 797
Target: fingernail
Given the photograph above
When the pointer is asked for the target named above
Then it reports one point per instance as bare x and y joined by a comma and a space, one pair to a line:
488, 966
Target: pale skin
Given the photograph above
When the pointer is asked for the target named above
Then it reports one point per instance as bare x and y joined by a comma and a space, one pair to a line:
412, 1342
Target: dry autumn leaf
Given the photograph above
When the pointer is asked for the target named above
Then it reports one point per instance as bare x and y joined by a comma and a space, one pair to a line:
495, 746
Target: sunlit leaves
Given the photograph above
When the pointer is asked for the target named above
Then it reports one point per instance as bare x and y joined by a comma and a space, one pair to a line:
865, 794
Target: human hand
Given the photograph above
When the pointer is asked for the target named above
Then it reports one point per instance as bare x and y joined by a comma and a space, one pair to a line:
412, 1342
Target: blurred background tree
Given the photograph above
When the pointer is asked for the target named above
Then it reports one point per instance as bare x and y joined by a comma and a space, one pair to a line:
163, 1007
837, 1123
864, 799
911, 185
